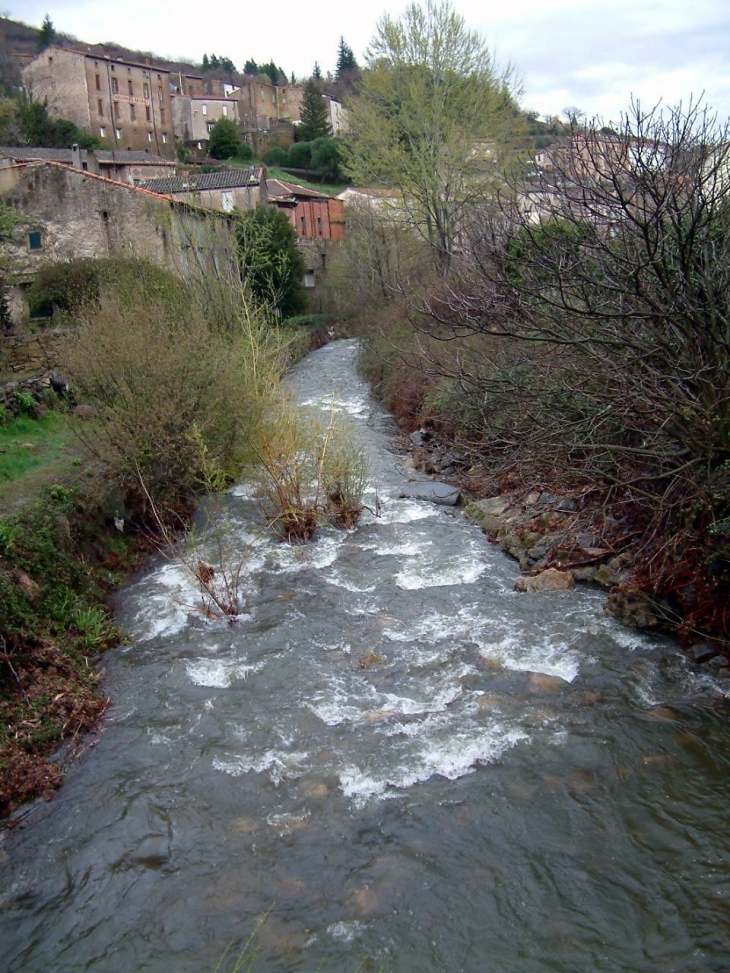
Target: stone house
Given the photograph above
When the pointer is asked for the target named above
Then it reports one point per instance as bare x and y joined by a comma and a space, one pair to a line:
68, 213
130, 167
124, 104
319, 221
224, 190
193, 118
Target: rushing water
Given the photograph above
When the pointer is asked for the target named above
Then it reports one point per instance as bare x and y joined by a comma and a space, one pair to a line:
405, 763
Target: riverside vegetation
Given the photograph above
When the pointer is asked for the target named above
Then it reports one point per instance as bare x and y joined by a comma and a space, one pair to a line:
179, 392
559, 331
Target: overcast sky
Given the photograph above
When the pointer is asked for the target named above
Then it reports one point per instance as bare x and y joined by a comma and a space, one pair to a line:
575, 53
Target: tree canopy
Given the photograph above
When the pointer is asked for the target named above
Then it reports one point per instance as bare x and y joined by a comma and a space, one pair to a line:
224, 140
433, 119
315, 120
271, 264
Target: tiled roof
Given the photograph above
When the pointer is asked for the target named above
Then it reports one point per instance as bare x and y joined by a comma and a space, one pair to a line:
105, 156
229, 179
280, 190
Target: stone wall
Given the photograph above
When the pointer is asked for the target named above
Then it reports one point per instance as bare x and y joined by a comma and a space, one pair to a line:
36, 354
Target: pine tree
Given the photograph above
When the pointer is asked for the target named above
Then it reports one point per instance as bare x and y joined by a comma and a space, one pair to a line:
206, 63
317, 71
47, 33
315, 120
345, 60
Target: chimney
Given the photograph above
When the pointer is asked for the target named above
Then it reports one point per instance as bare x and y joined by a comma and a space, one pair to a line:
75, 156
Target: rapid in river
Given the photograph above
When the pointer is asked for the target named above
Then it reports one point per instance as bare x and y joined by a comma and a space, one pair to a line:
392, 758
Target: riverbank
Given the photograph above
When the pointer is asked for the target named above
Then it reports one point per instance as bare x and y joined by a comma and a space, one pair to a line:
69, 539
562, 534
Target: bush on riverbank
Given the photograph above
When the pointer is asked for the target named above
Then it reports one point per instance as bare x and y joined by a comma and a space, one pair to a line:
59, 560
169, 368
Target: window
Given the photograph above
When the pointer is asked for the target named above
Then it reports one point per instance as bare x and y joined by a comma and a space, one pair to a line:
159, 94
303, 223
100, 106
97, 79
116, 109
102, 132
225, 111
146, 90
115, 86
148, 113
210, 126
149, 136
204, 109
117, 133
162, 115
132, 114
227, 202
309, 280
35, 240
164, 137
319, 226
130, 88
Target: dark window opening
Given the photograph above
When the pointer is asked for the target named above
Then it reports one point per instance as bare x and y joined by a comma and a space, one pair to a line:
35, 240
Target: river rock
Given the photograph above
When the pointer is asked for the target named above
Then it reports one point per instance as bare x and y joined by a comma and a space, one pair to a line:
441, 493
550, 580
702, 652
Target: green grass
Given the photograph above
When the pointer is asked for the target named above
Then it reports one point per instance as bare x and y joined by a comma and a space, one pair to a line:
35, 451
274, 172
330, 189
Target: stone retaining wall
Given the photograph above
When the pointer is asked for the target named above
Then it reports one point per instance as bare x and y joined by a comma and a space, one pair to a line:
36, 353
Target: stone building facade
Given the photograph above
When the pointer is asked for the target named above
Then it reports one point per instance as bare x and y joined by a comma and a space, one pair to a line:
194, 117
68, 213
125, 105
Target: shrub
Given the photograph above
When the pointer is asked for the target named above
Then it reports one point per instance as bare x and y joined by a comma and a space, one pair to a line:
244, 152
160, 372
300, 155
275, 156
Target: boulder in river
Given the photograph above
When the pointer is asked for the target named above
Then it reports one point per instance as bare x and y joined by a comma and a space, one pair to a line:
550, 580
436, 492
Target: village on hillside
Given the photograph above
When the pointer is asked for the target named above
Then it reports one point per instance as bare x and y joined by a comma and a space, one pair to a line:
149, 129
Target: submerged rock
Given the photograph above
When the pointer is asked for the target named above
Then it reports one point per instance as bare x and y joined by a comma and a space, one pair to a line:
436, 492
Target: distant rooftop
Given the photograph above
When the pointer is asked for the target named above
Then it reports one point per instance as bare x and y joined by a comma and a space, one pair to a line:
228, 179
105, 156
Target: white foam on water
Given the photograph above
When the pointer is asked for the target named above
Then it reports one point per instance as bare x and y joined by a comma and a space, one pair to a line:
406, 511
453, 757
319, 554
245, 490
340, 705
339, 582
435, 626
286, 822
543, 656
219, 674
431, 575
346, 930
277, 764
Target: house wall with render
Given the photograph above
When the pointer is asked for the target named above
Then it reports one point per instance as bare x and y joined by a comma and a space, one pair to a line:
125, 105
69, 214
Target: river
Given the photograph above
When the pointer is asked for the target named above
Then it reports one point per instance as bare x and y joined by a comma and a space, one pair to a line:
392, 761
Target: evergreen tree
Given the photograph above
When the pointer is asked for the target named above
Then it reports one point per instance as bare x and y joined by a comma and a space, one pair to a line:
270, 260
345, 60
47, 34
206, 63
317, 71
315, 119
